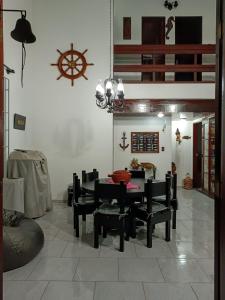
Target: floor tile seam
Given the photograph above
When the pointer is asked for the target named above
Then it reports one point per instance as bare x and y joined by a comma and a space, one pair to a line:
114, 281
143, 288
82, 257
45, 289
172, 251
94, 291
171, 281
157, 261
191, 256
202, 269
118, 269
26, 277
76, 267
66, 244
196, 295
27, 281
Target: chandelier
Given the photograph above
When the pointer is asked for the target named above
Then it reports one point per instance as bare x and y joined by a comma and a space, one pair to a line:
170, 4
110, 95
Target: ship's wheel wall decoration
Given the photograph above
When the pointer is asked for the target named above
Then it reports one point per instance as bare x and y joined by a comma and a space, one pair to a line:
72, 64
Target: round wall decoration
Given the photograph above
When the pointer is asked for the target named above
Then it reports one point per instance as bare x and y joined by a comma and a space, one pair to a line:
72, 64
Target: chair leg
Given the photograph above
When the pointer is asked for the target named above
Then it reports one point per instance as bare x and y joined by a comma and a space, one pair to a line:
76, 222
104, 232
127, 228
149, 234
132, 226
84, 218
96, 232
174, 222
99, 230
122, 235
167, 231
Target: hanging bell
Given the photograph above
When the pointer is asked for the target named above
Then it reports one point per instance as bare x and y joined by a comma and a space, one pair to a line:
22, 32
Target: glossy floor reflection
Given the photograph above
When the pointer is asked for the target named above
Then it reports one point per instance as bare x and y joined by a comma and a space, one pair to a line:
70, 268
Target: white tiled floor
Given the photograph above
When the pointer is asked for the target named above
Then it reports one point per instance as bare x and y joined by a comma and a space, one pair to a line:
70, 268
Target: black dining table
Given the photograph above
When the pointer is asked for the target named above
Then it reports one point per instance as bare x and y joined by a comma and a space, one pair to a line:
89, 186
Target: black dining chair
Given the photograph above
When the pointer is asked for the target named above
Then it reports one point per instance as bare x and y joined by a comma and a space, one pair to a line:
153, 212
173, 200
111, 215
137, 173
82, 204
87, 177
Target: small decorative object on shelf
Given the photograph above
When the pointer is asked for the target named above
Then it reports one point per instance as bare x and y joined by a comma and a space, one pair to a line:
171, 4
134, 164
178, 137
123, 138
145, 142
173, 167
187, 182
72, 64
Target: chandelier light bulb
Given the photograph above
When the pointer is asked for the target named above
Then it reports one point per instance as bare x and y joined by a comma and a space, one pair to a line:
108, 85
120, 87
99, 88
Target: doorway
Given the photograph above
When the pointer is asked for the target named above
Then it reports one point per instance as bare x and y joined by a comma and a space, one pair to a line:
197, 155
153, 32
188, 30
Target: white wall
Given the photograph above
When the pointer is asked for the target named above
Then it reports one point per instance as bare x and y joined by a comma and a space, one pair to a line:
20, 100
65, 122
137, 9
170, 91
162, 160
182, 154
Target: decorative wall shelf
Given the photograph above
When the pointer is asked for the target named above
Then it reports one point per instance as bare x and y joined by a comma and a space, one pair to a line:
144, 142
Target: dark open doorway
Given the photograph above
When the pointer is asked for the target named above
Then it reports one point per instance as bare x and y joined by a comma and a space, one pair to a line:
188, 30
153, 32
197, 155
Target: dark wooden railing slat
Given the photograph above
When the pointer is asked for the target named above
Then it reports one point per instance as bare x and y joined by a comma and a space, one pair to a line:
164, 68
165, 49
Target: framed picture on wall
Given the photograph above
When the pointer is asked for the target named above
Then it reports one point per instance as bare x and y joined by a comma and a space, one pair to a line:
19, 122
144, 142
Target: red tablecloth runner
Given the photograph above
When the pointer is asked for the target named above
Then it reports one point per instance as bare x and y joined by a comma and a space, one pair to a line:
130, 185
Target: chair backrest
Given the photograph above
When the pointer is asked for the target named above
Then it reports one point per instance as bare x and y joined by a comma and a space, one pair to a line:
137, 173
174, 186
109, 191
76, 188
89, 176
155, 189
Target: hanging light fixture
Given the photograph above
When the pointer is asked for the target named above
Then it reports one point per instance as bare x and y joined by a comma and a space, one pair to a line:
110, 93
171, 4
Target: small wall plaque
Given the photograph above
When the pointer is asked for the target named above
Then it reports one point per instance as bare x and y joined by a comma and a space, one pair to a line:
19, 122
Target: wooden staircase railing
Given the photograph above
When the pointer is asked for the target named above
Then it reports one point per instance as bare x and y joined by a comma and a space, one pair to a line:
155, 50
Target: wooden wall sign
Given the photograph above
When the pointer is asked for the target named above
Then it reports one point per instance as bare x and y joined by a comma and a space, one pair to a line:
127, 28
19, 122
145, 142
72, 64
